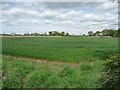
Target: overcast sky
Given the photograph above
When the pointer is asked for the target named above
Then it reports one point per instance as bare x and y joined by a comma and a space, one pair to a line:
74, 18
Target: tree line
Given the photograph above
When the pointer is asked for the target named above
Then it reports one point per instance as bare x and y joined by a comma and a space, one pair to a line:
50, 33
105, 32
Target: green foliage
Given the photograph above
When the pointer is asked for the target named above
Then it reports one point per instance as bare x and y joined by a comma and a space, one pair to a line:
86, 66
111, 75
62, 33
105, 32
14, 73
66, 49
90, 72
68, 77
42, 78
65, 72
56, 33
90, 33
20, 73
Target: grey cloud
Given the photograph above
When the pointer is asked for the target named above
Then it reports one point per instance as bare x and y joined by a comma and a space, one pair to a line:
72, 5
70, 17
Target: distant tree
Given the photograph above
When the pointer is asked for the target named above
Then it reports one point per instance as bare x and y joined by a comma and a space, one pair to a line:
13, 33
36, 34
67, 34
45, 34
83, 35
110, 32
90, 33
55, 33
97, 33
32, 34
62, 33
26, 34
118, 32
41, 34
104, 32
50, 33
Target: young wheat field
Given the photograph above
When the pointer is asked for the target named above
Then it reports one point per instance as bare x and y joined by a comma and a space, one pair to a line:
55, 62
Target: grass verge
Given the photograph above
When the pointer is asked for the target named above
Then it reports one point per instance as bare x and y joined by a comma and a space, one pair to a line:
30, 74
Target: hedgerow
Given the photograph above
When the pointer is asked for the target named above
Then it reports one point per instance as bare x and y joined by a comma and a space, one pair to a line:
111, 74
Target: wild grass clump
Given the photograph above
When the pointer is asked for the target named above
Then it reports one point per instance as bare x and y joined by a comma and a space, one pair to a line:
26, 74
86, 66
68, 77
42, 78
65, 71
90, 72
14, 73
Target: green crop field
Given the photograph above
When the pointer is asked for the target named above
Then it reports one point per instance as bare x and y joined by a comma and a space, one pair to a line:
55, 62
68, 49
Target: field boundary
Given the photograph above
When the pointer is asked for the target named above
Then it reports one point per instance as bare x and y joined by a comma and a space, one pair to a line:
42, 61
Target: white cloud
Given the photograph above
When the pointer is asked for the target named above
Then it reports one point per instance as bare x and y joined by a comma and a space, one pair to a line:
20, 11
109, 6
54, 1
49, 13
72, 13
3, 20
70, 17
66, 22
49, 22
21, 21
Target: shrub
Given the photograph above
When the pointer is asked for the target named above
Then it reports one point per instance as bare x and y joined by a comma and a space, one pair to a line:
111, 75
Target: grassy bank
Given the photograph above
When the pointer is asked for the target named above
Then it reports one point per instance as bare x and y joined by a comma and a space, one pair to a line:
21, 73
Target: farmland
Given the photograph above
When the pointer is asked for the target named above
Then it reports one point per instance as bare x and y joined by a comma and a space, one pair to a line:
55, 62
66, 49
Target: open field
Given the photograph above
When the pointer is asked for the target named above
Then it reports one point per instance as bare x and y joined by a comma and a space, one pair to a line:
66, 49
61, 62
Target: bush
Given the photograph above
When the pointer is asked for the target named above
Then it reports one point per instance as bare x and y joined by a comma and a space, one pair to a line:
111, 75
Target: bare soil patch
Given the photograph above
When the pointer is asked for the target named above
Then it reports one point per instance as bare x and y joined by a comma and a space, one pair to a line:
44, 61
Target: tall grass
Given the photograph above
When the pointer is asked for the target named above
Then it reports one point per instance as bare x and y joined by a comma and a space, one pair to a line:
20, 73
